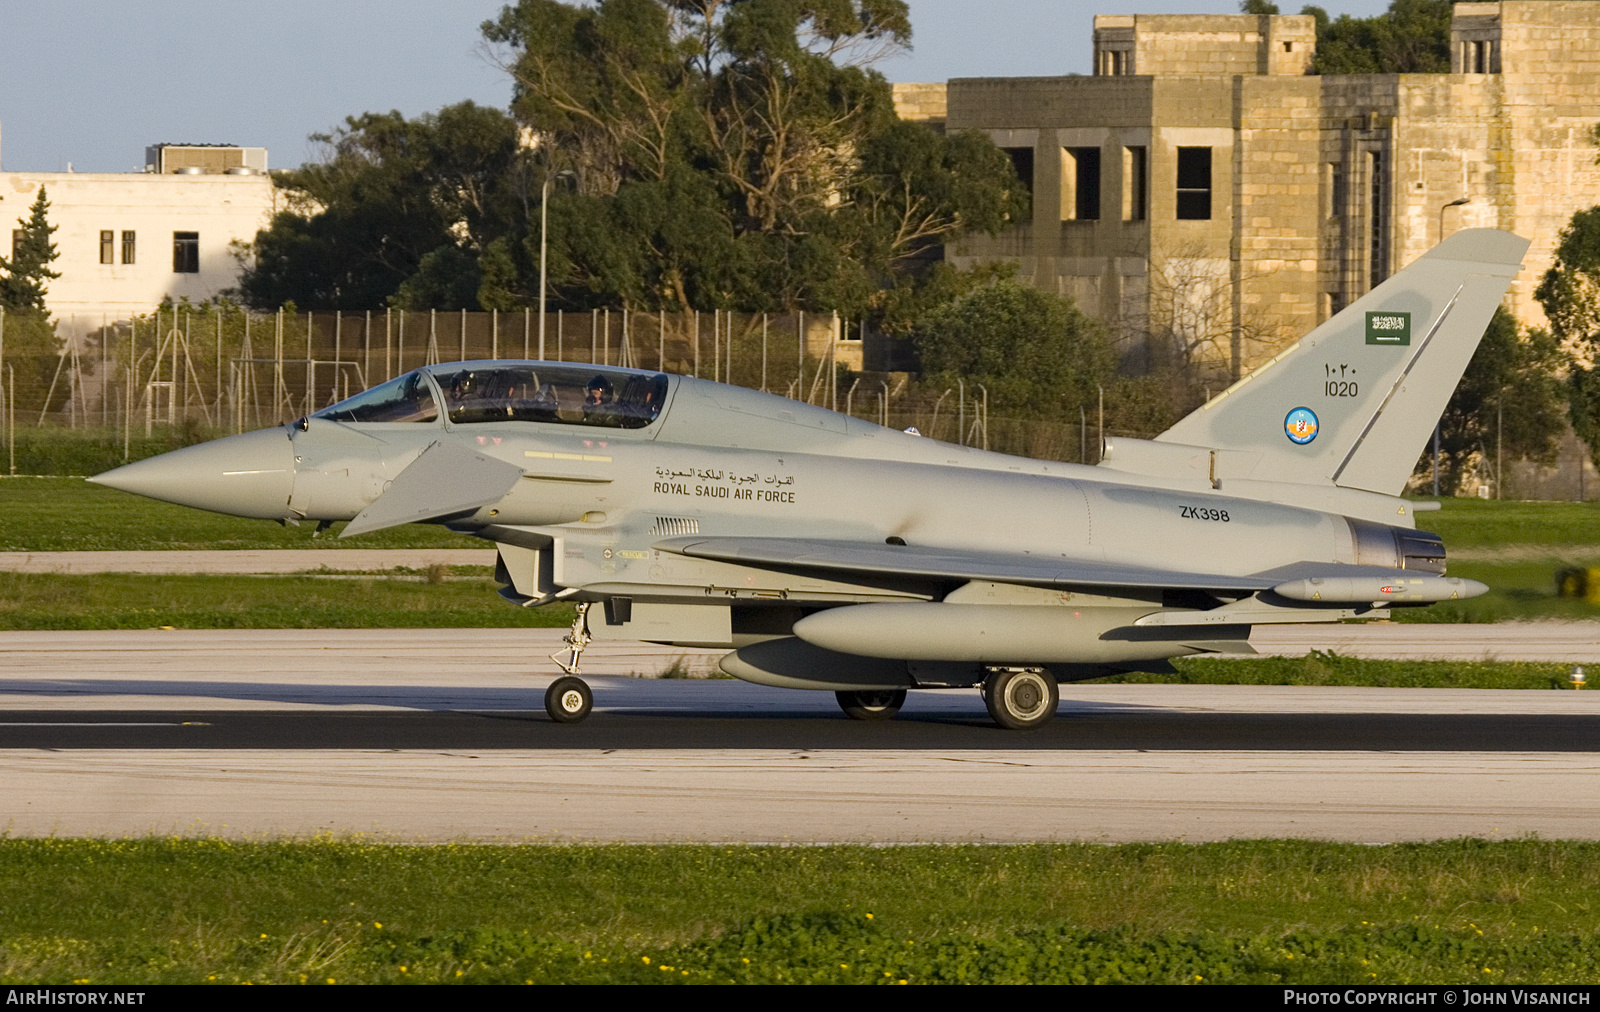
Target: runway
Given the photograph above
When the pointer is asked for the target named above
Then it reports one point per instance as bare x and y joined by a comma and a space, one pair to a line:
440, 735
220, 562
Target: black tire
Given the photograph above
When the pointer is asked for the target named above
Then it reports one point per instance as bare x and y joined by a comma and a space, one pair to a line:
568, 700
871, 704
1019, 699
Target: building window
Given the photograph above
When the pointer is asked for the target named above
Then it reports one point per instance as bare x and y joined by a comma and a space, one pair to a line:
1338, 194
186, 252
1082, 183
1136, 179
1022, 161
127, 247
1377, 176
108, 246
1194, 184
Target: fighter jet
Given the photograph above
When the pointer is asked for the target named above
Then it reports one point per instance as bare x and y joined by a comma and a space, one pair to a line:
824, 552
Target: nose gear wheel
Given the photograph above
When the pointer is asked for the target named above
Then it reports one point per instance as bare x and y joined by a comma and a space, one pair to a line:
568, 700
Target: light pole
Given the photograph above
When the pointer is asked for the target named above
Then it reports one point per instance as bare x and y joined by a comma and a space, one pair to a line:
1444, 207
544, 229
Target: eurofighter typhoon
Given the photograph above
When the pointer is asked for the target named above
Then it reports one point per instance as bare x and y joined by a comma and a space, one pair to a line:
828, 553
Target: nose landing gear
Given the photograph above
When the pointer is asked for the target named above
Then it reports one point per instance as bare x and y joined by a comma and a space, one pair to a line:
569, 699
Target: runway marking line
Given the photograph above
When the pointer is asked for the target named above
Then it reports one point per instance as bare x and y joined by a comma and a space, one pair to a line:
104, 723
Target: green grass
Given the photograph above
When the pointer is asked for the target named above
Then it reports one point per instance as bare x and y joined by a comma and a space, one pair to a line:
71, 515
91, 451
1489, 524
1519, 590
125, 601
182, 911
1514, 547
1321, 668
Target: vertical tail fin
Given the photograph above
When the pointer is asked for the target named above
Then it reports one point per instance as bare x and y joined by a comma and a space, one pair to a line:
1353, 403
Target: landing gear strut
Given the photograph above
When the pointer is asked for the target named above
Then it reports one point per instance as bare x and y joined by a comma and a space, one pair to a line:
872, 704
1020, 698
569, 700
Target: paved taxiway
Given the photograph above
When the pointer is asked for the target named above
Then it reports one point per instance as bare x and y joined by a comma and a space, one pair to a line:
438, 734
271, 560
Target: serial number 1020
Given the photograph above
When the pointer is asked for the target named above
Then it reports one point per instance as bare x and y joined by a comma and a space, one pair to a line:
1339, 388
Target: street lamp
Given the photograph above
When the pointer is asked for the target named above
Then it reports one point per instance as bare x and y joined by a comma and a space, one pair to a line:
544, 228
1442, 208
1454, 203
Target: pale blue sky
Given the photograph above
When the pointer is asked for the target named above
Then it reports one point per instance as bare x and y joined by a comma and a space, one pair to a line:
92, 82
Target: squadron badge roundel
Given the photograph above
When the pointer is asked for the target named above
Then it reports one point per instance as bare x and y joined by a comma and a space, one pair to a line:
1300, 425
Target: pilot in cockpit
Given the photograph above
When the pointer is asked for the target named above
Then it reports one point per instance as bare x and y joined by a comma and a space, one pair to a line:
598, 408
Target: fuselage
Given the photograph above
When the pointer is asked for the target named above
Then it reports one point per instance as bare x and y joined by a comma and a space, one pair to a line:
604, 482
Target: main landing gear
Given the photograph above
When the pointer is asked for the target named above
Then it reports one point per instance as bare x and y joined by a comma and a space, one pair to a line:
1020, 698
871, 704
569, 700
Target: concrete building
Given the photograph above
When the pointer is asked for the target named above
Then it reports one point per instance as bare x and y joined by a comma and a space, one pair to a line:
127, 240
1211, 200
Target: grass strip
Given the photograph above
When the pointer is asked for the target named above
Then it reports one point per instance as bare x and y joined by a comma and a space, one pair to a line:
71, 515
1495, 524
347, 911
407, 600
331, 601
1326, 668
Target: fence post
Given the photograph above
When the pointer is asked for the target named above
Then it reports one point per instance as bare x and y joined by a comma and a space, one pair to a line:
800, 355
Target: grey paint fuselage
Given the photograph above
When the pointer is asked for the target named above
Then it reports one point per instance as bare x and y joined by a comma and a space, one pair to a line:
804, 472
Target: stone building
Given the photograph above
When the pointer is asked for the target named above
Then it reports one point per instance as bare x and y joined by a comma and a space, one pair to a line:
1212, 201
127, 240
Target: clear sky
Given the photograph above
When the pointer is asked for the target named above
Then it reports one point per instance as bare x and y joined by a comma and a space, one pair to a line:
91, 82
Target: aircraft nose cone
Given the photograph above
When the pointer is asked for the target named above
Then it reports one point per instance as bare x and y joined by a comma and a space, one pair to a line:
248, 475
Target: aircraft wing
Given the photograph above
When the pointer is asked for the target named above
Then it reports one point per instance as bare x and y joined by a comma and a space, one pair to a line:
1323, 583
945, 564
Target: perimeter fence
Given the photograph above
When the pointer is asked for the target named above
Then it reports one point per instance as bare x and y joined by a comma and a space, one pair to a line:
185, 373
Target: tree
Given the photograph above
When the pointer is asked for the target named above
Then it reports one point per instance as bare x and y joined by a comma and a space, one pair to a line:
700, 153
1037, 354
1570, 295
26, 275
32, 347
738, 153
1510, 398
1412, 37
400, 210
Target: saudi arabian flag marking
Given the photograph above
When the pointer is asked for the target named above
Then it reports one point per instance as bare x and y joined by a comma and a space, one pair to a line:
1389, 328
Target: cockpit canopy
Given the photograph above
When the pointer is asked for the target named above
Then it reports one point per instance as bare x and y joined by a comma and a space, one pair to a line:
473, 392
